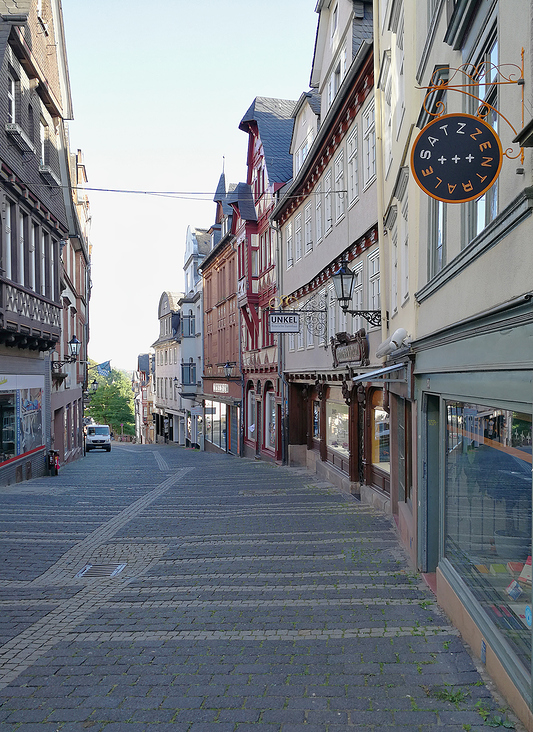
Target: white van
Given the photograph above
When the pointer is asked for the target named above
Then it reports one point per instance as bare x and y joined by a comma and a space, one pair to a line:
98, 436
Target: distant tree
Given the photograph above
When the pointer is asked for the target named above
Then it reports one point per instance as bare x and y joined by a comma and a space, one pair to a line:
112, 403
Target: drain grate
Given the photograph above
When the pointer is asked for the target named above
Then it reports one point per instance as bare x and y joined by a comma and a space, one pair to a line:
101, 570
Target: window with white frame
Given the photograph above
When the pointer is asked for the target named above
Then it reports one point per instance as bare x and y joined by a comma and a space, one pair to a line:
318, 213
369, 144
482, 211
43, 136
327, 201
302, 152
288, 244
405, 252
301, 334
334, 21
340, 193
11, 99
357, 297
309, 336
7, 244
32, 257
394, 270
436, 236
21, 248
374, 300
308, 231
332, 311
353, 171
188, 373
292, 342
53, 248
400, 76
298, 237
323, 337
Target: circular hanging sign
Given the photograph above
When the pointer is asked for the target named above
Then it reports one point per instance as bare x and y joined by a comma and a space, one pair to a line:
456, 158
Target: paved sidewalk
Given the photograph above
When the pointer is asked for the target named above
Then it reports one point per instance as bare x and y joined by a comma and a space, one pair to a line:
161, 588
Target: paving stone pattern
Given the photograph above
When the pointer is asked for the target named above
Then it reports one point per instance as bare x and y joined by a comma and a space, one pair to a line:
254, 598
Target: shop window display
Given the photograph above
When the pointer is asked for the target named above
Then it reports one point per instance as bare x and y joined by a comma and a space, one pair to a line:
270, 420
380, 433
337, 427
21, 422
316, 420
488, 513
8, 436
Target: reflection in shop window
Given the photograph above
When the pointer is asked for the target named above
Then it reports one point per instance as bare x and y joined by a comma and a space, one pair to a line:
488, 513
316, 420
380, 433
270, 420
250, 415
337, 427
7, 415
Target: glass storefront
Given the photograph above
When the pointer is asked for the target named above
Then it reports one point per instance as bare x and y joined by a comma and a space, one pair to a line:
488, 513
8, 444
270, 420
337, 427
380, 433
250, 415
21, 420
316, 420
215, 423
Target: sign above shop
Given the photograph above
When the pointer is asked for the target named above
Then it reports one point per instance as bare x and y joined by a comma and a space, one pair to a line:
220, 387
456, 158
279, 322
352, 350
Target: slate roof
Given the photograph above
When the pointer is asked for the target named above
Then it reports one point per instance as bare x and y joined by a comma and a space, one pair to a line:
15, 8
313, 97
243, 199
143, 363
362, 28
203, 239
221, 195
275, 122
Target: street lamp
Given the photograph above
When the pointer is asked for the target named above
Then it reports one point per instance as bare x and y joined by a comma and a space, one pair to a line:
228, 369
94, 385
74, 346
344, 281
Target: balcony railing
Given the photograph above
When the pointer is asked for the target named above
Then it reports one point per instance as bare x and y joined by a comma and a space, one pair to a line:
28, 320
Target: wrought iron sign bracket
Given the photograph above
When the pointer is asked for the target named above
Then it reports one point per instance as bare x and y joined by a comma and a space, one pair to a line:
372, 317
483, 74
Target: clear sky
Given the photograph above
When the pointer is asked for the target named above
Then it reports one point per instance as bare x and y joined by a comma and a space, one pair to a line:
159, 89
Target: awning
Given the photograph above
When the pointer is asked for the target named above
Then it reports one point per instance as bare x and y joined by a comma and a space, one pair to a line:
382, 375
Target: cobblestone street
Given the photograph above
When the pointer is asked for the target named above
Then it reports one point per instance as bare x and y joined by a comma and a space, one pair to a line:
161, 588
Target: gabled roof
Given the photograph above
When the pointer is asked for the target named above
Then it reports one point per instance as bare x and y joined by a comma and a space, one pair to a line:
243, 200
362, 30
221, 195
312, 97
204, 240
274, 121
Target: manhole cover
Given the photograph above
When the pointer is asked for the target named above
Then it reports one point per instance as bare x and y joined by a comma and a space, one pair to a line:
101, 570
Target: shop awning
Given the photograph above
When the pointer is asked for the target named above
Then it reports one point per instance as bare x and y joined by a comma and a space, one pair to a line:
384, 374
